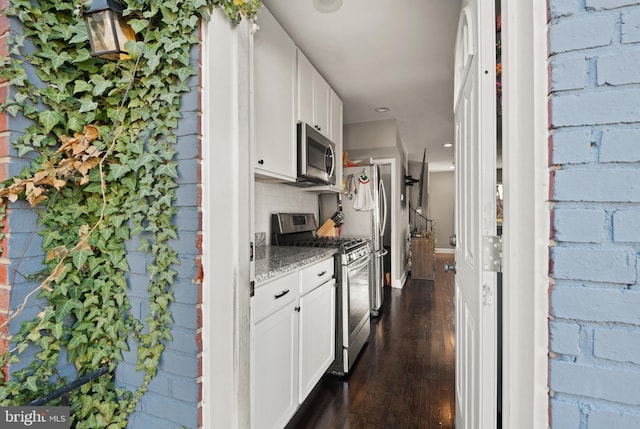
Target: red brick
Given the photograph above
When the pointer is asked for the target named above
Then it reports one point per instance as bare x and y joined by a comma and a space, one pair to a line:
4, 52
199, 276
199, 242
3, 121
3, 172
4, 92
4, 246
5, 298
199, 341
4, 145
4, 24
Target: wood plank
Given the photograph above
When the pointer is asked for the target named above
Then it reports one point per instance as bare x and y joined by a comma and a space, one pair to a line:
404, 377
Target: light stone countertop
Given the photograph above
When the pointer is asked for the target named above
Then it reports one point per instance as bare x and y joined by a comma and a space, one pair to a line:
272, 261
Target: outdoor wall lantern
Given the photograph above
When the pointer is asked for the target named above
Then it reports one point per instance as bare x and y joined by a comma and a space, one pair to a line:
108, 31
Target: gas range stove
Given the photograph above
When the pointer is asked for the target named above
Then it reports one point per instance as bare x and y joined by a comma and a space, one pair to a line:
352, 268
292, 229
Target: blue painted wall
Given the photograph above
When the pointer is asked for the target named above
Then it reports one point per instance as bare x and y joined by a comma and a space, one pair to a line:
174, 394
595, 298
172, 400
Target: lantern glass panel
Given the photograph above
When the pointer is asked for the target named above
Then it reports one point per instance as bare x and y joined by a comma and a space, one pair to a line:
108, 32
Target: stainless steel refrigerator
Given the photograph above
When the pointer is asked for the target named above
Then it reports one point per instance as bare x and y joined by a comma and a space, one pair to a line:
367, 223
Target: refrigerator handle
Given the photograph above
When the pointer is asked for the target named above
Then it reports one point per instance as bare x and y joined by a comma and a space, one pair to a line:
382, 193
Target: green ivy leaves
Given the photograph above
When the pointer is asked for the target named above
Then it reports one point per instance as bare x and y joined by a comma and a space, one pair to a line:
85, 227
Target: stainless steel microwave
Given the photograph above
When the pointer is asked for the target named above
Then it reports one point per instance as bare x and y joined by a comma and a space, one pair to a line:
316, 157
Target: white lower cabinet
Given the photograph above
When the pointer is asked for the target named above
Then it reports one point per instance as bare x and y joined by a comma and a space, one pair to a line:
275, 375
292, 341
317, 335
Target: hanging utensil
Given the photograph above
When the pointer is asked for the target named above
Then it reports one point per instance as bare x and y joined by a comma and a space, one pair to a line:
350, 186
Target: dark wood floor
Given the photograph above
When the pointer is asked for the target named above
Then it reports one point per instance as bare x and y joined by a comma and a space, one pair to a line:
404, 377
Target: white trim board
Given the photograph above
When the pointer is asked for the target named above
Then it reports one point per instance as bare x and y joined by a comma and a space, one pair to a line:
526, 214
225, 149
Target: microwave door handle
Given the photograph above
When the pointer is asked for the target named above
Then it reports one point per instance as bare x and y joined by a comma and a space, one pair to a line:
332, 155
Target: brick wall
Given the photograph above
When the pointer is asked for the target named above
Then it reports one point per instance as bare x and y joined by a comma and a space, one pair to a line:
174, 396
594, 50
4, 147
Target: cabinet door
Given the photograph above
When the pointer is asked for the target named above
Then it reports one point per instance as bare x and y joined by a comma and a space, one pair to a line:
274, 96
305, 90
275, 368
321, 95
317, 335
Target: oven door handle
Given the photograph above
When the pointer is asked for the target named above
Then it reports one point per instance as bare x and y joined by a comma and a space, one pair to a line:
359, 265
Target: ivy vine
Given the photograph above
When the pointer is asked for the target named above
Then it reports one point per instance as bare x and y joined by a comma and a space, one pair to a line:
101, 145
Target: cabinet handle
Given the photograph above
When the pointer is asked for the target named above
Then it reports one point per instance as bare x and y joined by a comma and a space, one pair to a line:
261, 161
281, 294
322, 273
297, 309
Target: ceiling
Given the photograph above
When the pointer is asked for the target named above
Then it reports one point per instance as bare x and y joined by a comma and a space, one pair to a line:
392, 53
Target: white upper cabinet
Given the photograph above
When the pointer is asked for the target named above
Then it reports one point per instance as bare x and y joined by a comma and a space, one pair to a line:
288, 89
275, 100
313, 96
335, 128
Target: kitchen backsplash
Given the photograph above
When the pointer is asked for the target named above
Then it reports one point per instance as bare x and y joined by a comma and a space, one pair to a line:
274, 198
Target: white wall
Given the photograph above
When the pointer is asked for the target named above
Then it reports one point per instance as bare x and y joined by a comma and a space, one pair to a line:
369, 135
275, 197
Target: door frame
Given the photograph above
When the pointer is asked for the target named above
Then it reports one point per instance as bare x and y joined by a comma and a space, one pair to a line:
526, 225
526, 214
227, 221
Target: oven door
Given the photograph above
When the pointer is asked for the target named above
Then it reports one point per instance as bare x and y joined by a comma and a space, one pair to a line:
355, 293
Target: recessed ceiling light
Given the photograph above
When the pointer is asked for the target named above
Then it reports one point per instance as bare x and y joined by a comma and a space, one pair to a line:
327, 6
448, 145
382, 109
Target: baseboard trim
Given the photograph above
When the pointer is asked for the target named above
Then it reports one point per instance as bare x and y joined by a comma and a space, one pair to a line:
444, 250
399, 284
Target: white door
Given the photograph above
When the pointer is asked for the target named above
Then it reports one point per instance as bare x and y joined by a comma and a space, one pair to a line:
475, 212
